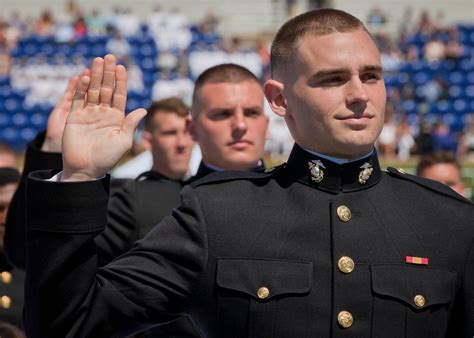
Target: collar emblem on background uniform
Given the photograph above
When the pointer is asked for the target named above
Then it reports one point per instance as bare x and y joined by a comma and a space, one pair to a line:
316, 168
365, 173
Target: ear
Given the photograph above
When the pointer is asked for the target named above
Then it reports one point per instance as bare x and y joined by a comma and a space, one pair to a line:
191, 128
146, 140
274, 93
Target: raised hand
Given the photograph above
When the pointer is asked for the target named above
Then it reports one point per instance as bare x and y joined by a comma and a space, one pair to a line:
57, 117
97, 132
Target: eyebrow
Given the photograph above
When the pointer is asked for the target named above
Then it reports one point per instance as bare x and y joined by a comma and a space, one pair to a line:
337, 71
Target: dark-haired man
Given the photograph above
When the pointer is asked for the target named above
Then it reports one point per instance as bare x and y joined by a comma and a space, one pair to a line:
325, 245
442, 167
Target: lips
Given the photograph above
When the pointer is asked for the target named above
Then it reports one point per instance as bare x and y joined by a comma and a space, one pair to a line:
355, 117
240, 144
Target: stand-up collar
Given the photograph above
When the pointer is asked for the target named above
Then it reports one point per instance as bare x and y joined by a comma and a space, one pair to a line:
326, 175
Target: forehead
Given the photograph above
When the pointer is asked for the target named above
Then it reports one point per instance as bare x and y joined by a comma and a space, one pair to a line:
164, 118
337, 50
228, 94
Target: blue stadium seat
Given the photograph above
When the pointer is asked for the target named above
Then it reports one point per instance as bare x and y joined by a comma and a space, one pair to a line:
38, 120
460, 106
20, 120
441, 107
409, 106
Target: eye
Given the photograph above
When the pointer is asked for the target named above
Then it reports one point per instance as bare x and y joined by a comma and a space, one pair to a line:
371, 77
253, 113
221, 115
333, 80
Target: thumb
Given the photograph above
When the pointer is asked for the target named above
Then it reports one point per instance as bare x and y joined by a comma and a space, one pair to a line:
132, 120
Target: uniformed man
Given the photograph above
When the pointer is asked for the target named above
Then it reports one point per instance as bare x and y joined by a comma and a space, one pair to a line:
326, 245
228, 122
442, 167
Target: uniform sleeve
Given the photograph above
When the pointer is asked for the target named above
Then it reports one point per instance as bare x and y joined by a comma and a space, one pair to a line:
15, 236
119, 235
462, 323
68, 296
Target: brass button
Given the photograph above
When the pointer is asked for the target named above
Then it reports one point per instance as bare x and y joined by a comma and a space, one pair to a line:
6, 277
263, 293
5, 302
344, 213
345, 264
401, 170
419, 300
345, 319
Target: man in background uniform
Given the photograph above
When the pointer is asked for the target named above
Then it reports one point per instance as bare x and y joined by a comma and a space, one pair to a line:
325, 245
442, 167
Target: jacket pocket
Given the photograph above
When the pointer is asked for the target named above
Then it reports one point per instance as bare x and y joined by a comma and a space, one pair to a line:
413, 300
262, 293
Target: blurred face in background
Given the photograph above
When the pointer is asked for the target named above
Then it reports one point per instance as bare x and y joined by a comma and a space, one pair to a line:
446, 173
170, 143
230, 124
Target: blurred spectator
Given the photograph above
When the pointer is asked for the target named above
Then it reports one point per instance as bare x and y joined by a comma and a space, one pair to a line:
405, 143
170, 30
467, 140
454, 50
442, 167
45, 25
7, 156
118, 45
434, 90
80, 27
127, 22
425, 140
387, 141
434, 50
96, 23
376, 18
10, 331
444, 139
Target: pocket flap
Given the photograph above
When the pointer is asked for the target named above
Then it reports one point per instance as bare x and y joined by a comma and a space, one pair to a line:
279, 277
436, 286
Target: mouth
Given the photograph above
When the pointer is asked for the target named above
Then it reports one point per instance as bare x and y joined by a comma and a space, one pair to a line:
355, 117
240, 144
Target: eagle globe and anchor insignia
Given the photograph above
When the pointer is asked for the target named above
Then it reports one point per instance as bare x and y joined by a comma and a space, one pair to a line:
316, 169
365, 173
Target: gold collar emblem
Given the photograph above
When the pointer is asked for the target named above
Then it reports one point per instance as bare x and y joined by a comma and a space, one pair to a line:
316, 169
365, 173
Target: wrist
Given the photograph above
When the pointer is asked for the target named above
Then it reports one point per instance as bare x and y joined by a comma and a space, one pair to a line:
75, 176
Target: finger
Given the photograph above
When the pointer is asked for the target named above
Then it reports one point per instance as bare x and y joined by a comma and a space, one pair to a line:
132, 120
120, 95
70, 90
107, 88
86, 72
97, 73
78, 101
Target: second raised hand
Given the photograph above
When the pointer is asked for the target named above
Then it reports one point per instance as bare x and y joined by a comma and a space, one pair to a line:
97, 132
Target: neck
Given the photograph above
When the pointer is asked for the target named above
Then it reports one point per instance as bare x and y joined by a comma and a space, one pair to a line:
173, 175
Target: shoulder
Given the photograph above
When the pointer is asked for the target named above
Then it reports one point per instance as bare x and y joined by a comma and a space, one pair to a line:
425, 183
236, 175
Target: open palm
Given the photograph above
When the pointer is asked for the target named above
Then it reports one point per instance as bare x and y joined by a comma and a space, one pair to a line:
97, 132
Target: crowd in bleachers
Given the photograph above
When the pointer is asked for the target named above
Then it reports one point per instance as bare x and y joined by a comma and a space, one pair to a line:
429, 74
429, 70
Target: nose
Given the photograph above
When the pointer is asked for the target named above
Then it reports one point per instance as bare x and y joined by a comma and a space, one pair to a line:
239, 124
357, 92
181, 140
